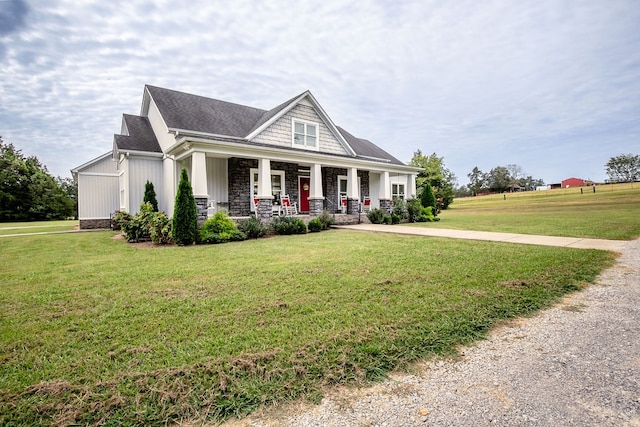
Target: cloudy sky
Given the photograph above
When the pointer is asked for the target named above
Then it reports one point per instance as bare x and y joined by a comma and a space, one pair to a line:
550, 85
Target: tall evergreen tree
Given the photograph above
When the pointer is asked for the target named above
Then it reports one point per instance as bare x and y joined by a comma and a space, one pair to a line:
185, 213
150, 195
427, 198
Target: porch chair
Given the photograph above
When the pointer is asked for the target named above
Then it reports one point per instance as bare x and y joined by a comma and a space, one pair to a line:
343, 203
288, 207
255, 206
366, 204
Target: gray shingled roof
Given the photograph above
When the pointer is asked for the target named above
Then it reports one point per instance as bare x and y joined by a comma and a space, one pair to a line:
366, 148
200, 114
141, 136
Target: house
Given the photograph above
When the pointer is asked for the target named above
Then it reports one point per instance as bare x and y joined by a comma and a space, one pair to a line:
239, 158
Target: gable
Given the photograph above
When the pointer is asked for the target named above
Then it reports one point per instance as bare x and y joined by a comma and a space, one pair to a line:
280, 133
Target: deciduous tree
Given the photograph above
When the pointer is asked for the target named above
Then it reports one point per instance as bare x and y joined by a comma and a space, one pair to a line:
624, 168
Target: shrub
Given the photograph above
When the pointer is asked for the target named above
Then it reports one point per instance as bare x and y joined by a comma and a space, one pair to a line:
400, 208
145, 225
428, 198
315, 225
289, 225
253, 228
185, 215
376, 216
220, 229
395, 218
160, 229
414, 210
325, 219
150, 195
387, 219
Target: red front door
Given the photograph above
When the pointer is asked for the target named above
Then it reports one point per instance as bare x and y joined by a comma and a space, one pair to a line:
304, 186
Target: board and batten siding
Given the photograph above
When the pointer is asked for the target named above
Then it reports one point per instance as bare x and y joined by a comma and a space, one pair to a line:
217, 180
139, 170
280, 132
97, 196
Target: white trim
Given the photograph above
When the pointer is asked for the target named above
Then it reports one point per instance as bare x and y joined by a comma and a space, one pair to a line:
140, 153
115, 175
233, 149
90, 162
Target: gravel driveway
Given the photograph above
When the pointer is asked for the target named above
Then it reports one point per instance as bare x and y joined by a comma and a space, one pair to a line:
577, 364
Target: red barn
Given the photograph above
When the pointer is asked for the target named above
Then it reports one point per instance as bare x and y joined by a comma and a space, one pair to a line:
573, 182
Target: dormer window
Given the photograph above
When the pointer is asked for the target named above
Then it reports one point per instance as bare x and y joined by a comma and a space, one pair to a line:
305, 134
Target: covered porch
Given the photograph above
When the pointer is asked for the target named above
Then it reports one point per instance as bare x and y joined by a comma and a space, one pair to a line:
246, 186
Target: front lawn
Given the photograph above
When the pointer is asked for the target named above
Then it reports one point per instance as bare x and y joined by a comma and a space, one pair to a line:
96, 331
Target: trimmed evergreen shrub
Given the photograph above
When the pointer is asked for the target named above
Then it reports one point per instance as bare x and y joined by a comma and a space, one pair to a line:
289, 225
150, 195
185, 215
220, 229
376, 216
414, 210
315, 225
395, 218
253, 228
428, 198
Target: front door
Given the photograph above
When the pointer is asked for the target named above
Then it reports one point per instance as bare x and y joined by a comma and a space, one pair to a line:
304, 186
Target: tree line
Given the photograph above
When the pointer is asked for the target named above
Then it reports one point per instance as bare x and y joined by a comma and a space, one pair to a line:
29, 193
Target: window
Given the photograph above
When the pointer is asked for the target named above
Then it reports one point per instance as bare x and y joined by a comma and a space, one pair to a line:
305, 134
397, 191
277, 185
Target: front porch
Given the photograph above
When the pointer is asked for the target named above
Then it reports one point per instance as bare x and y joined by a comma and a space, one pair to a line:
254, 187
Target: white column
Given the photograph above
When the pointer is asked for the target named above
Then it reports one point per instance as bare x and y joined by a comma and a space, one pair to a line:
385, 186
316, 182
264, 179
411, 186
199, 174
353, 192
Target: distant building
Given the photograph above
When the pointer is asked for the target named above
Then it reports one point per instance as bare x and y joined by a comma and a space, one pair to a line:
574, 182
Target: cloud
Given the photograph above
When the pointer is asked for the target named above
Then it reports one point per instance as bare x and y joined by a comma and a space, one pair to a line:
13, 14
481, 83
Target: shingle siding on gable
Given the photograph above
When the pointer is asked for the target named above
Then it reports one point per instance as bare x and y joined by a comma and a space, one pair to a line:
279, 133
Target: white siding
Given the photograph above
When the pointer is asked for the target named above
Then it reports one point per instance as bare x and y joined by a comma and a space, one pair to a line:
166, 201
217, 179
165, 139
139, 171
97, 196
98, 189
279, 133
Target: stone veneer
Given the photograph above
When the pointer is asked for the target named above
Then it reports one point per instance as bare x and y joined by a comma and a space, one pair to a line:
316, 205
201, 207
353, 206
90, 224
385, 206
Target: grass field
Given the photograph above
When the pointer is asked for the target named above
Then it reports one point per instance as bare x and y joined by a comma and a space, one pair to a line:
609, 213
7, 228
95, 331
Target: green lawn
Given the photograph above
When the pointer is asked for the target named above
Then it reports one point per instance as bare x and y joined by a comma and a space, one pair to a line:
7, 228
610, 213
94, 331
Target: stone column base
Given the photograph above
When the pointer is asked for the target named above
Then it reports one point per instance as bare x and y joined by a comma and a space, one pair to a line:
353, 206
385, 206
316, 205
265, 209
201, 206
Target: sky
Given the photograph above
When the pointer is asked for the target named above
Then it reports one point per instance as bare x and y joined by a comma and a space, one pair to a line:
552, 86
